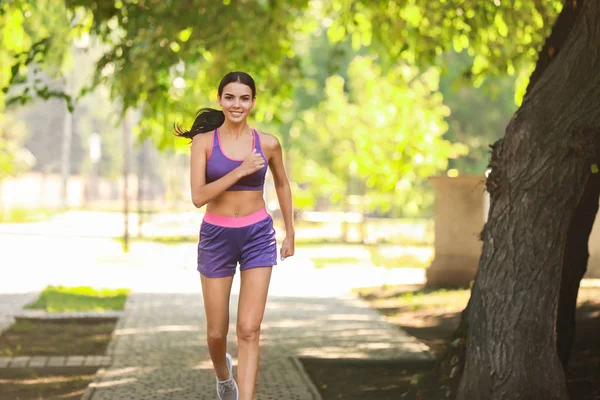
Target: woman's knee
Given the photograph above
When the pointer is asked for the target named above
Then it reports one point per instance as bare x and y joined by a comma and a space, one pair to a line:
217, 334
248, 332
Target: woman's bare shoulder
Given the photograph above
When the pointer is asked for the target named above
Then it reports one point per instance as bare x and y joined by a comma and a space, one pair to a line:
269, 141
202, 140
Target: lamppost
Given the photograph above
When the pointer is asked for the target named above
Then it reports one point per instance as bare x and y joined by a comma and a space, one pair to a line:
65, 162
81, 43
126, 170
95, 145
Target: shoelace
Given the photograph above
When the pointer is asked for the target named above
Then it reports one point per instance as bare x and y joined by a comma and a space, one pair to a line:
226, 387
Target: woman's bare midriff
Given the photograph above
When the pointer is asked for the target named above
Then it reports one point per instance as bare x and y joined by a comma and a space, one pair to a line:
237, 203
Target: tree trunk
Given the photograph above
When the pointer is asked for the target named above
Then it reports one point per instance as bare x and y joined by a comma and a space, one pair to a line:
126, 172
345, 225
539, 174
556, 40
66, 147
575, 265
142, 192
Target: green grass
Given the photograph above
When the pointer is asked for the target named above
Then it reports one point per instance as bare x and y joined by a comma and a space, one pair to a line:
322, 262
428, 298
83, 298
150, 207
413, 299
22, 215
174, 240
406, 261
403, 261
180, 239
315, 241
377, 257
169, 240
389, 232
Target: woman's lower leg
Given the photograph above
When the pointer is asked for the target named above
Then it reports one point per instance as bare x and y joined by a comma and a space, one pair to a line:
248, 354
216, 292
217, 347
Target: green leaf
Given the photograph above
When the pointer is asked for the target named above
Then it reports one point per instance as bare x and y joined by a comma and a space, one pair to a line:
501, 25
185, 34
336, 33
14, 70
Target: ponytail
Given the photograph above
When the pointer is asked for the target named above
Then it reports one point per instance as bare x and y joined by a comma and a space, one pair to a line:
207, 119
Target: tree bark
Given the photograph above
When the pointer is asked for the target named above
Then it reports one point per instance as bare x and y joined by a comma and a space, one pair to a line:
575, 265
576, 250
539, 178
555, 42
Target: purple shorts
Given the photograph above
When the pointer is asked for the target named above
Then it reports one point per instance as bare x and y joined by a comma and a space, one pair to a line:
225, 241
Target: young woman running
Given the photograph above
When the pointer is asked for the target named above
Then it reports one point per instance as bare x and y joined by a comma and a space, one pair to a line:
229, 160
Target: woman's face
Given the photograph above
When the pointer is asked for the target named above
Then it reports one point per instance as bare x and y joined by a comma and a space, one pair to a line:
236, 101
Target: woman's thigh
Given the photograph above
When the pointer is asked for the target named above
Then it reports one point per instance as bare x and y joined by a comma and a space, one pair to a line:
216, 292
254, 288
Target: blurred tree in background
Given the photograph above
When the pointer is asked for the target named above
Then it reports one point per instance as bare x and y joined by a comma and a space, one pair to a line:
25, 29
166, 59
479, 115
375, 136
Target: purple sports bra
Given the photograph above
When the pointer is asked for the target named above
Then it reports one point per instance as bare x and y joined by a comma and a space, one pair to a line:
218, 165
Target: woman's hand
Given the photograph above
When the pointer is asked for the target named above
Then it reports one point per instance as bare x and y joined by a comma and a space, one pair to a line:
287, 248
251, 164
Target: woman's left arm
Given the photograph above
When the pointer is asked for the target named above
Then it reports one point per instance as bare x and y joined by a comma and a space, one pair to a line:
284, 193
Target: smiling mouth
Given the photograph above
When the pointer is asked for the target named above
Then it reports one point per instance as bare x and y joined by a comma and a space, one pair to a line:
236, 113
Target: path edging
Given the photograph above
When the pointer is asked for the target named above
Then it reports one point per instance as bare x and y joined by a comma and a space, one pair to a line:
305, 378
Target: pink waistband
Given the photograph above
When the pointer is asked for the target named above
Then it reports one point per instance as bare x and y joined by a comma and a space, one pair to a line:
233, 222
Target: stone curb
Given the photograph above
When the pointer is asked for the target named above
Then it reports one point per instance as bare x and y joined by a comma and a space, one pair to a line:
110, 349
7, 323
307, 381
7, 318
56, 361
91, 388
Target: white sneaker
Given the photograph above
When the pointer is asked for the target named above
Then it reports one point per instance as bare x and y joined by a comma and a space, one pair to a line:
228, 390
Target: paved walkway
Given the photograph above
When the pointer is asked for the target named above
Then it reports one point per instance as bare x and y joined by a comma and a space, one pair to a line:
158, 350
11, 304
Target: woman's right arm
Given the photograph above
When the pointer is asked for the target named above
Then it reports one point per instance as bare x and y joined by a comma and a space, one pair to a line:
202, 192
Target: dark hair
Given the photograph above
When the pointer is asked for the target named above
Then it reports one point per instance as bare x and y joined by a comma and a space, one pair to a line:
209, 119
